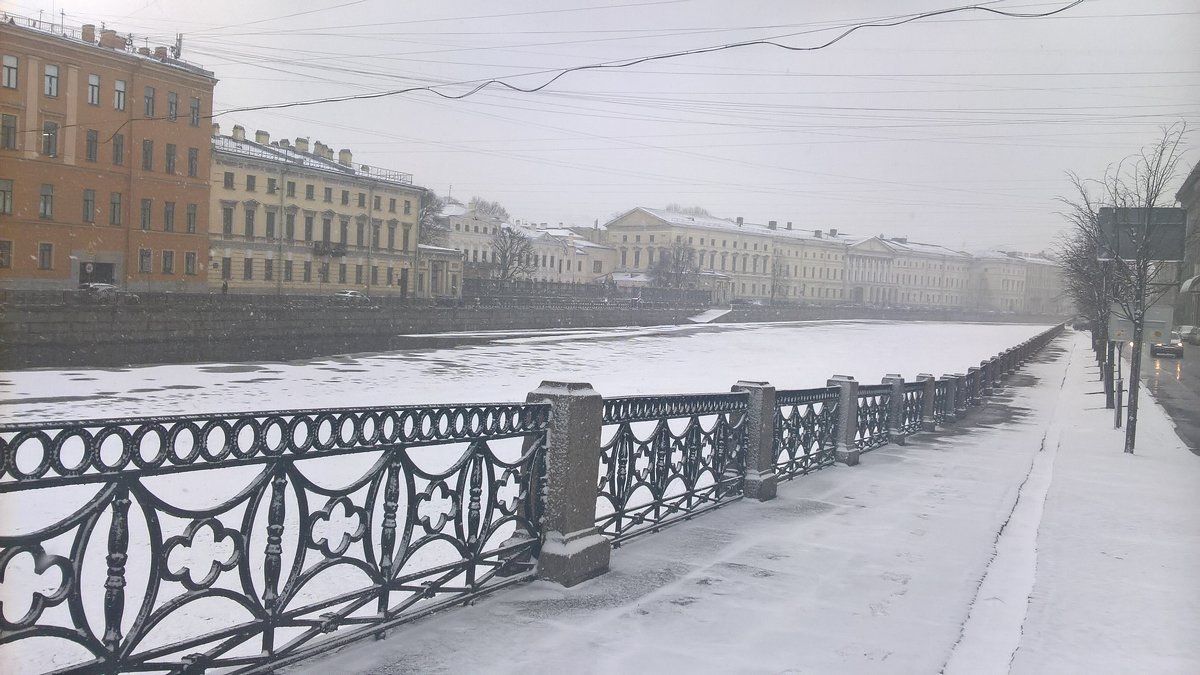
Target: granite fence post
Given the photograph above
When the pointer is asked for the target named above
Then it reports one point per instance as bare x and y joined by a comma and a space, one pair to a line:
759, 482
845, 450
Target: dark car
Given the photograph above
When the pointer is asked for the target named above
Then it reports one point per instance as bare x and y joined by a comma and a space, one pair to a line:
1173, 345
1190, 334
107, 293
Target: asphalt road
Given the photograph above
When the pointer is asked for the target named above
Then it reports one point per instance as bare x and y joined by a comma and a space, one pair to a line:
1176, 385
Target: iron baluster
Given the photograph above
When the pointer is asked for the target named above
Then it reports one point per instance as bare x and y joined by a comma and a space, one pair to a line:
114, 584
274, 555
391, 503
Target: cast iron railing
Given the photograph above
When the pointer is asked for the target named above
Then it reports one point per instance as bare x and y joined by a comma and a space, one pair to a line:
874, 404
805, 430
941, 393
912, 407
971, 388
663, 458
234, 541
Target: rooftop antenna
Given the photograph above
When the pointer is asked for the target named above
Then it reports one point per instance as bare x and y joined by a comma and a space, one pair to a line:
177, 50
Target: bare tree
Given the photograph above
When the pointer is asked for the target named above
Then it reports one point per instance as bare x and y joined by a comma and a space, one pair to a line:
780, 276
432, 228
676, 266
1130, 279
512, 254
676, 207
488, 208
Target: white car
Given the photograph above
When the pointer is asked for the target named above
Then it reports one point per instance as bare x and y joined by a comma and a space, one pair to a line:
353, 297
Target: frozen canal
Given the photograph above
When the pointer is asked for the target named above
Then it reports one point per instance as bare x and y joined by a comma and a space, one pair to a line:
481, 367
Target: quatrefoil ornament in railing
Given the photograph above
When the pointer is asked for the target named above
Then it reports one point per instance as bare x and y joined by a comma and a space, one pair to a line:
352, 524
208, 531
445, 507
12, 584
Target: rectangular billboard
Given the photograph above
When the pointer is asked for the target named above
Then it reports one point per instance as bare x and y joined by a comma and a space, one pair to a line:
1156, 327
1123, 229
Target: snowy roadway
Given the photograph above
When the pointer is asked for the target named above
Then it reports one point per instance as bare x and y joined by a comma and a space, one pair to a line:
1020, 541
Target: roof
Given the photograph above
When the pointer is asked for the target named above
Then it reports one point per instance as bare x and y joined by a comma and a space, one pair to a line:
748, 228
290, 155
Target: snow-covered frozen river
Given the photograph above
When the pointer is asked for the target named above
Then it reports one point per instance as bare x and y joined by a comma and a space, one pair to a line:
481, 367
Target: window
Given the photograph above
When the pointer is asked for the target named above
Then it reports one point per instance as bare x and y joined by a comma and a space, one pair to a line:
392, 205
361, 230
228, 180
147, 154
172, 106
291, 189
362, 200
189, 262
6, 196
89, 206
251, 183
249, 225
10, 71
114, 208
51, 84
596, 267
8, 132
342, 273
46, 201
145, 260
269, 269
50, 139
326, 230
119, 149
404, 243
309, 191
272, 186
190, 224
287, 270
168, 262
170, 159
329, 194
345, 197
247, 269
271, 225
226, 268
227, 221
194, 120
307, 275
168, 216
193, 162
146, 206
289, 231
93, 90
119, 95
5, 254
92, 145
378, 201
308, 228
391, 237
407, 207
45, 256
149, 101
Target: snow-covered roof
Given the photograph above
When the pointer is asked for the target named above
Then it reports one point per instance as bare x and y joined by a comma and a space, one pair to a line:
748, 228
925, 249
438, 249
290, 155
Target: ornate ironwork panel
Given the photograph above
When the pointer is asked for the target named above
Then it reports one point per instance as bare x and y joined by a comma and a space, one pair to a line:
805, 430
941, 389
912, 407
242, 541
874, 406
663, 458
971, 382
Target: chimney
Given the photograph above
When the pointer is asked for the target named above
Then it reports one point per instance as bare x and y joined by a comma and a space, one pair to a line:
345, 158
160, 53
301, 144
216, 129
739, 221
900, 240
817, 234
328, 153
833, 232
239, 132
772, 225
285, 143
144, 51
261, 137
89, 33
789, 225
110, 39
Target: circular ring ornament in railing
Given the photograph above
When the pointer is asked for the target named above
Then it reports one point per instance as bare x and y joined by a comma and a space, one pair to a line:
139, 439
281, 426
86, 458
325, 425
125, 438
236, 443
177, 431
305, 443
206, 437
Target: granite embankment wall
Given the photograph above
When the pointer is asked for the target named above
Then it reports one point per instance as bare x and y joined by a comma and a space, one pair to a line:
233, 328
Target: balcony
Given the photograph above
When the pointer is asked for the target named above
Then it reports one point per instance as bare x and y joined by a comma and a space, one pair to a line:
329, 248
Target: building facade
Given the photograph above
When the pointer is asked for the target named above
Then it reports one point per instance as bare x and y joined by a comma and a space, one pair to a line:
104, 161
290, 218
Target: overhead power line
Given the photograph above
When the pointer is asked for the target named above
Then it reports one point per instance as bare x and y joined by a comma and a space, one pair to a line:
612, 65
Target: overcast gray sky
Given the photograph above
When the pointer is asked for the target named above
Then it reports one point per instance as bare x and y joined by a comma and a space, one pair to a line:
955, 130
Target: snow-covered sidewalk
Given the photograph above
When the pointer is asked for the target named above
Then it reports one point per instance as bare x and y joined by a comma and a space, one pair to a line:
1019, 540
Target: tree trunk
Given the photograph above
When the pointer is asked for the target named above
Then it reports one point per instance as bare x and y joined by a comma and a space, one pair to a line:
1135, 374
1106, 374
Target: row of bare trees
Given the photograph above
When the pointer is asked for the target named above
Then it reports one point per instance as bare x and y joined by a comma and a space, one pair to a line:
1102, 282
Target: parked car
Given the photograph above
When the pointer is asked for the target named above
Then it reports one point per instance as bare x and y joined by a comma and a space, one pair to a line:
1190, 334
352, 297
1173, 346
99, 292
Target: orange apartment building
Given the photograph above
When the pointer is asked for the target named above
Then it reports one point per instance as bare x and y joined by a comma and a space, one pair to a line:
104, 161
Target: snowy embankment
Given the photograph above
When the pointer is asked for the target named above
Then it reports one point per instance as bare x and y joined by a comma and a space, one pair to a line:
894, 566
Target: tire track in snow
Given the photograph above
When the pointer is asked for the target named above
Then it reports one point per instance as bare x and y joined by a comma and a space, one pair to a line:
991, 635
